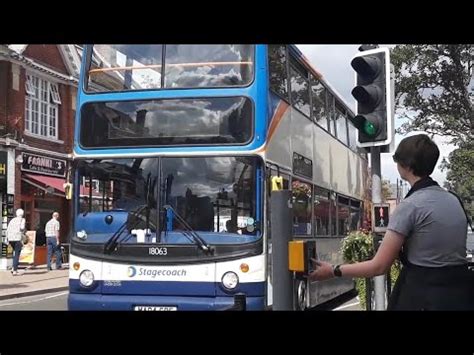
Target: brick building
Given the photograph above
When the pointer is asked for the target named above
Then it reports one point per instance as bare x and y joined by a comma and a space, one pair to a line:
38, 88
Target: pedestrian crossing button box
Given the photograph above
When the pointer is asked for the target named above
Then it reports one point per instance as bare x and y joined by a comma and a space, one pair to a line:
300, 253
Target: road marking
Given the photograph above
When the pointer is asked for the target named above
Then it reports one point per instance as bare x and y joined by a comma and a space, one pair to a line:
346, 306
36, 300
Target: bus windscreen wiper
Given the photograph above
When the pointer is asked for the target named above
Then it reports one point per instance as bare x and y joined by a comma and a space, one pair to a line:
113, 241
149, 187
190, 232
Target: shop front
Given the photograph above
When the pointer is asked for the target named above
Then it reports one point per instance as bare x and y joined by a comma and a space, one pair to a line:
6, 203
42, 193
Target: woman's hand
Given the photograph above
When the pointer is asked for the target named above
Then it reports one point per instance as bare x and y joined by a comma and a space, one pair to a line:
322, 271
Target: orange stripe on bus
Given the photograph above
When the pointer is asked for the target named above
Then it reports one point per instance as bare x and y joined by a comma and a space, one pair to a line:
277, 117
282, 106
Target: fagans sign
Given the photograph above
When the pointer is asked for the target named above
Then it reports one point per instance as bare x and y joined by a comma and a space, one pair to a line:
43, 165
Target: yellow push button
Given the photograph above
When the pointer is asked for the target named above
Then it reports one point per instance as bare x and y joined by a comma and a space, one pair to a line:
296, 257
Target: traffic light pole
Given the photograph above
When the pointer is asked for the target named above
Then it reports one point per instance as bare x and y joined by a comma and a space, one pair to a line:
379, 281
374, 94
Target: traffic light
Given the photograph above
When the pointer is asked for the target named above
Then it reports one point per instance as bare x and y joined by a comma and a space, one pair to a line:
373, 94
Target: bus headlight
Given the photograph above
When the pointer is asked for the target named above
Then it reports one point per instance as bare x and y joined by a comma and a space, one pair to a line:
86, 278
230, 280
81, 234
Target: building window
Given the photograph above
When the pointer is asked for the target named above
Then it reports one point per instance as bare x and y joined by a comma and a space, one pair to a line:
54, 91
30, 89
41, 107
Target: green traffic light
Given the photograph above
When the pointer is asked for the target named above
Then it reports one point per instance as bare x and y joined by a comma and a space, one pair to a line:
369, 128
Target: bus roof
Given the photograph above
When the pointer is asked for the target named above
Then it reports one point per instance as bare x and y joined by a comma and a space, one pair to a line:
298, 55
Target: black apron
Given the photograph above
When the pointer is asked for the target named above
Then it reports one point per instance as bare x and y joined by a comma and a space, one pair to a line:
448, 288
419, 288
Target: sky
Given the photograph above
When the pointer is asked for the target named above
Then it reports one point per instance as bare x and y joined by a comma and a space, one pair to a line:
333, 61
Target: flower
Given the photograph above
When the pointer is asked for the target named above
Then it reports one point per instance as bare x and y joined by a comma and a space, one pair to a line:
301, 189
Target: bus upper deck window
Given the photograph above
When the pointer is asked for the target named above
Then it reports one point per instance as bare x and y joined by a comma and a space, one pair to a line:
141, 67
208, 65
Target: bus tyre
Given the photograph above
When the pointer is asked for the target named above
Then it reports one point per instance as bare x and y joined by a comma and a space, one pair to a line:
301, 295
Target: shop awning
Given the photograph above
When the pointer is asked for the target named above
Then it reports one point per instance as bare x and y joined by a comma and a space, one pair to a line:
49, 184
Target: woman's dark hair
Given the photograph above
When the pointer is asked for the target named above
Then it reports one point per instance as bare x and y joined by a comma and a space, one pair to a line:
419, 153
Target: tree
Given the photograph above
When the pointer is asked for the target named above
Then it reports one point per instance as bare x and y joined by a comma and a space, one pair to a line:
434, 88
386, 190
459, 177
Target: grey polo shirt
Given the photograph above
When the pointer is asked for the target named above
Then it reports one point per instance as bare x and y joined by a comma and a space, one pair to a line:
434, 225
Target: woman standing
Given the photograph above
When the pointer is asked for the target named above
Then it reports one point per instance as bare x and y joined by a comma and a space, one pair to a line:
428, 232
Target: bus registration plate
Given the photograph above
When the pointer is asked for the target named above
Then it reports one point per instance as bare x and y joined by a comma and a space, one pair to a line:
155, 308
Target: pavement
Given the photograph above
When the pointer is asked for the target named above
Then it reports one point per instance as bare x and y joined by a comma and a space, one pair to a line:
32, 281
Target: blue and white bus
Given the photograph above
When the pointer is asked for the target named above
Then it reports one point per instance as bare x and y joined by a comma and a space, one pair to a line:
174, 149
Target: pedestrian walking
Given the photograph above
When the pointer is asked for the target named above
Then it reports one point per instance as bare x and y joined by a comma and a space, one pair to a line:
52, 241
15, 230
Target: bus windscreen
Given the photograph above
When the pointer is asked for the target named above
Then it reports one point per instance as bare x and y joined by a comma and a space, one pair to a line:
203, 121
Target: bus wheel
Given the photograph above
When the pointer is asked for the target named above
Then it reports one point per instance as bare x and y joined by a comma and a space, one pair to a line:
301, 295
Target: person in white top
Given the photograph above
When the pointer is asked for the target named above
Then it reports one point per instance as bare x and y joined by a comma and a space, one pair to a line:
52, 240
14, 231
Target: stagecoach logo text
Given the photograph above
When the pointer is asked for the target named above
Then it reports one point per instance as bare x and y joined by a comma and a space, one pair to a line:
132, 272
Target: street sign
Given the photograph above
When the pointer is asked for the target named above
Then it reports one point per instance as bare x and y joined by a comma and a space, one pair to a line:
43, 165
380, 217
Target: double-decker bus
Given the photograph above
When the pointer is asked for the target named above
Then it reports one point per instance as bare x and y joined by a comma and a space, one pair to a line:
174, 149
